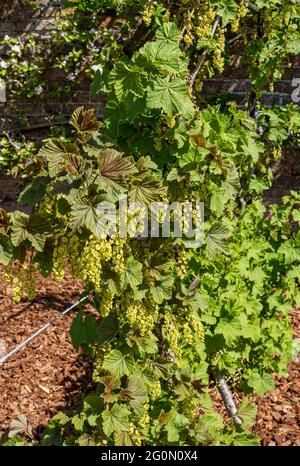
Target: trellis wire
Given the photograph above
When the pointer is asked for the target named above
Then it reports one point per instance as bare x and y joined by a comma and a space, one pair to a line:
22, 345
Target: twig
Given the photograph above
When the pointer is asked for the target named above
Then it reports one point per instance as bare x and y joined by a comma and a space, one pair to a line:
200, 63
234, 39
220, 381
253, 7
276, 167
193, 286
252, 98
191, 15
226, 397
32, 128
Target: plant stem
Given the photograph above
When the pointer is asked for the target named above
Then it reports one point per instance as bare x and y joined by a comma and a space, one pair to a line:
253, 7
226, 396
200, 63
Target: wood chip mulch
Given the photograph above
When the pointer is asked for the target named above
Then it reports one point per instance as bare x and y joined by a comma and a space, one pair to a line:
48, 375
278, 418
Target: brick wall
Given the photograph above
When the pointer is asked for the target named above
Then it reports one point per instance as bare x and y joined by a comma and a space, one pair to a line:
17, 17
238, 87
43, 111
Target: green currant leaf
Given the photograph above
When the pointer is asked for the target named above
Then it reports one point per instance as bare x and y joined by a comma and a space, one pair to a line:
247, 412
6, 249
170, 96
137, 393
162, 290
169, 32
177, 425
115, 420
216, 239
261, 383
133, 275
118, 364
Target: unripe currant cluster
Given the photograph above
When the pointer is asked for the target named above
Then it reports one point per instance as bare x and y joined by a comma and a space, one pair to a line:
171, 334
95, 252
118, 260
186, 220
148, 14
191, 215
242, 12
216, 358
188, 334
155, 390
60, 254
158, 143
149, 11
181, 261
22, 280
218, 58
135, 221
98, 362
277, 153
188, 407
204, 24
75, 247
104, 248
144, 419
162, 211
135, 436
236, 378
198, 86
197, 19
47, 206
196, 214
107, 299
198, 327
140, 317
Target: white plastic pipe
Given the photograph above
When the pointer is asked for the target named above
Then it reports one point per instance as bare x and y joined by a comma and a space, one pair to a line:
22, 345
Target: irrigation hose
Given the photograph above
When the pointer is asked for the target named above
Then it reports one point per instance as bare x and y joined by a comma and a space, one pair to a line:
38, 332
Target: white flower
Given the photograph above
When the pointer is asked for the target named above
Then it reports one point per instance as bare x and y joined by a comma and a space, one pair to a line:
38, 90
16, 48
71, 76
92, 31
6, 37
3, 64
97, 68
